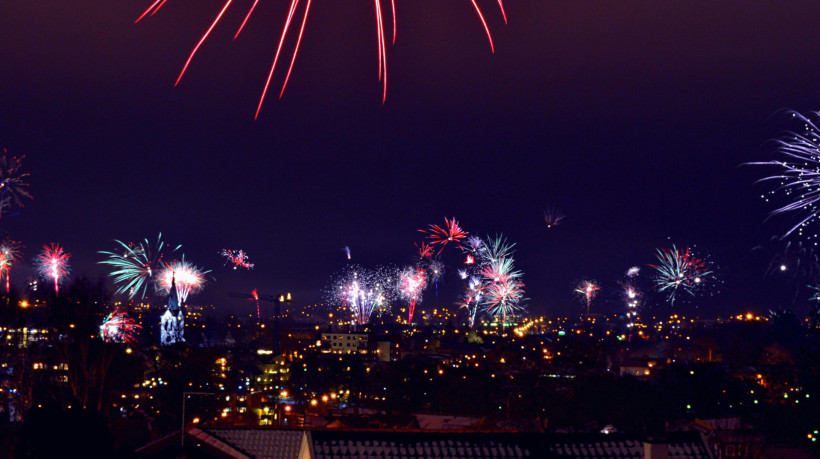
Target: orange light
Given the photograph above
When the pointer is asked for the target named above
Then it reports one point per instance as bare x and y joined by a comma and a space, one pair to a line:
196, 421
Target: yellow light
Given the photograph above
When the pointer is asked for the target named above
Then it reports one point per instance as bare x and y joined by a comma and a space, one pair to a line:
314, 402
196, 421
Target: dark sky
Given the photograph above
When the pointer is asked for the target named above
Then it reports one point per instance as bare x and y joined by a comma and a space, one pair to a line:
631, 117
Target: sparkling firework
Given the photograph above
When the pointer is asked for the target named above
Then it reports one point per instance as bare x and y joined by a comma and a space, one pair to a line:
435, 271
473, 245
795, 259
294, 6
363, 291
238, 258
632, 299
503, 298
451, 232
9, 255
52, 263
633, 271
347, 252
117, 327
495, 248
189, 278
502, 290
425, 250
587, 290
12, 187
473, 298
135, 265
411, 283
798, 175
553, 217
679, 270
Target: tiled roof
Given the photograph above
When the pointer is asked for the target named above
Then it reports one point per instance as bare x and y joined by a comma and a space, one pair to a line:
681, 445
215, 443
367, 444
263, 443
417, 445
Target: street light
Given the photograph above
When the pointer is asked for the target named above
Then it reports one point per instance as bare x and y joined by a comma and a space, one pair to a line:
184, 397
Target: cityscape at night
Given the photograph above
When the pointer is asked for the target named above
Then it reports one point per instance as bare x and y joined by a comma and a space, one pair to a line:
409, 229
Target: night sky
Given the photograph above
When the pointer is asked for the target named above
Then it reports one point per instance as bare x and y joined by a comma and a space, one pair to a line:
631, 117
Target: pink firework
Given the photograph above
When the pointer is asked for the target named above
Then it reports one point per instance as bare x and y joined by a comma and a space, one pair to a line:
451, 232
411, 283
238, 258
52, 263
587, 289
119, 328
188, 278
381, 41
9, 255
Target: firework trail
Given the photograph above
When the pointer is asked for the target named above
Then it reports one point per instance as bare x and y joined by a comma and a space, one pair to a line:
12, 187
347, 251
587, 290
451, 232
134, 265
411, 283
553, 217
679, 270
255, 296
238, 258
363, 291
117, 327
9, 255
292, 18
52, 263
633, 271
189, 278
798, 172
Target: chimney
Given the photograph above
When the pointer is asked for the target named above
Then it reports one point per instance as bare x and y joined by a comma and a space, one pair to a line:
655, 448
